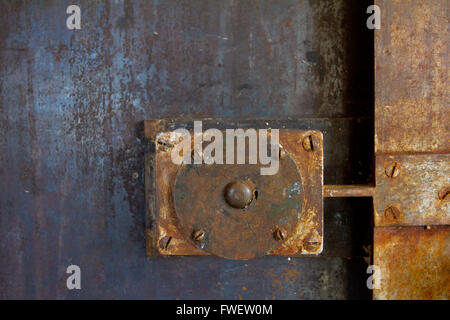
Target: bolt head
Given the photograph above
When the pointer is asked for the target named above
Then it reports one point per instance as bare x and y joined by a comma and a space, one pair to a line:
239, 194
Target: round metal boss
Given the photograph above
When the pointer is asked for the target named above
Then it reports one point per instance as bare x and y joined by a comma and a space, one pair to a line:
239, 194
236, 209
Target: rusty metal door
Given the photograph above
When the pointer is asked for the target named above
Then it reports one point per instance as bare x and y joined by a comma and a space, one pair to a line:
73, 144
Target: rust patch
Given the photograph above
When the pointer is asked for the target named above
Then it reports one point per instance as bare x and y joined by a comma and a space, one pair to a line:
411, 86
412, 198
412, 145
308, 236
414, 262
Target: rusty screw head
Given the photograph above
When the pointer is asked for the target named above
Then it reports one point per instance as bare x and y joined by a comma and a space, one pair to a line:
392, 212
310, 244
239, 194
198, 235
279, 234
392, 170
443, 194
164, 242
310, 143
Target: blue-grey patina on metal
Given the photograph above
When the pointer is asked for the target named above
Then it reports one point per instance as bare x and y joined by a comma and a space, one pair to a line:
72, 104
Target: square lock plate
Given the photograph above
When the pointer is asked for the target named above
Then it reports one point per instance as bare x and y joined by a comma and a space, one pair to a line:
188, 205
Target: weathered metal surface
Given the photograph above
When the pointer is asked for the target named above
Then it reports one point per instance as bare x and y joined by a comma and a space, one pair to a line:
178, 215
308, 237
412, 197
342, 165
412, 144
411, 88
414, 262
71, 107
237, 233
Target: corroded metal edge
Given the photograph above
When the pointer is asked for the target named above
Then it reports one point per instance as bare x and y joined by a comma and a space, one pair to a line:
411, 122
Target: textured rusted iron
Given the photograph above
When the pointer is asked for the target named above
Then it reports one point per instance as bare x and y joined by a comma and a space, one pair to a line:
411, 83
412, 198
308, 236
412, 146
303, 235
414, 262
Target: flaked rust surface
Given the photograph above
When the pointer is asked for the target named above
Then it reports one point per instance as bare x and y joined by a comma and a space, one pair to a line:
413, 197
304, 237
414, 262
165, 218
411, 89
308, 237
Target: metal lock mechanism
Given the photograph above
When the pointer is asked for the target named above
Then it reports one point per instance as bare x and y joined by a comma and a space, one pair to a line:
232, 210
